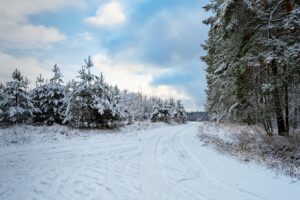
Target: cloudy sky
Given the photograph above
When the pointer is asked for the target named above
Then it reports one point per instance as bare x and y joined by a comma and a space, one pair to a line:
149, 46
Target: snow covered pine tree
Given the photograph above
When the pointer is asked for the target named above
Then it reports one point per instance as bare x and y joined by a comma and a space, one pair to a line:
48, 99
91, 103
253, 62
168, 111
87, 103
16, 104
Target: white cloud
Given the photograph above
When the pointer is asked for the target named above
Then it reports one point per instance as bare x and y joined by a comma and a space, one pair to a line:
19, 10
29, 67
18, 35
16, 30
110, 14
136, 77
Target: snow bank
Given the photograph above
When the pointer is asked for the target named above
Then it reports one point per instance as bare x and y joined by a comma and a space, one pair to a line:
27, 134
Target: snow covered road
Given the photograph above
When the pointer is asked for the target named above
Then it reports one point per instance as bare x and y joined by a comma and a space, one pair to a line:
160, 164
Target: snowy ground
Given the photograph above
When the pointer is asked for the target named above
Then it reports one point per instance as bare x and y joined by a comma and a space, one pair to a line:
153, 164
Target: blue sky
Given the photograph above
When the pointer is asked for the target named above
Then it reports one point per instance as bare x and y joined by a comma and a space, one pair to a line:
149, 46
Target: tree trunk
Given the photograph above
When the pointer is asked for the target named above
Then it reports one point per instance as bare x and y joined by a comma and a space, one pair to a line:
287, 113
267, 123
286, 99
277, 104
288, 6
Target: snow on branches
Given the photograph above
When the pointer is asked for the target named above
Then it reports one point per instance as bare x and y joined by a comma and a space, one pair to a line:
88, 102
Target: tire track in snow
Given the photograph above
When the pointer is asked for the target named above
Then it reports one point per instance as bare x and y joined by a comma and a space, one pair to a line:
152, 180
185, 191
158, 164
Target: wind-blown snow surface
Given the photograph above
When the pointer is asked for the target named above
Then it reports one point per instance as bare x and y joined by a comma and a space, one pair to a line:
154, 164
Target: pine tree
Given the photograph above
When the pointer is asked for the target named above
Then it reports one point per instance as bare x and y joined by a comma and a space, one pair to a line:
3, 99
91, 102
162, 112
87, 103
54, 95
16, 103
253, 50
48, 99
180, 114
38, 99
126, 103
106, 102
78, 103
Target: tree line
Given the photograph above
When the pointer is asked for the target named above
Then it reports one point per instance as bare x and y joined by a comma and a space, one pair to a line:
253, 58
89, 102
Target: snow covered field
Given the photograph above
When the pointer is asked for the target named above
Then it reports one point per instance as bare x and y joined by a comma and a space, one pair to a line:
162, 163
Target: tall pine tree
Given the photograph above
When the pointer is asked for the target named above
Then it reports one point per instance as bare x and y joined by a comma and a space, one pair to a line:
252, 54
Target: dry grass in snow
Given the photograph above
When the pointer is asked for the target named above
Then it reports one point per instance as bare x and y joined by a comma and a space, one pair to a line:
251, 144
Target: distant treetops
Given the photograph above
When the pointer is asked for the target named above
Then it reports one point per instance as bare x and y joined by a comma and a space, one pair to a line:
89, 102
